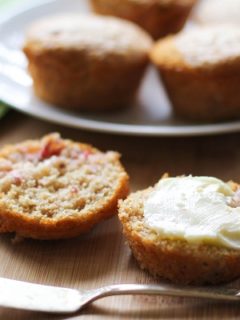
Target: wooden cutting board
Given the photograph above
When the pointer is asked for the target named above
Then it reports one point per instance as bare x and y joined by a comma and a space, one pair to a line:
102, 256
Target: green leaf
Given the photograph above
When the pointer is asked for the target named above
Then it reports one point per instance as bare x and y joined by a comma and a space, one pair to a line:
6, 2
3, 110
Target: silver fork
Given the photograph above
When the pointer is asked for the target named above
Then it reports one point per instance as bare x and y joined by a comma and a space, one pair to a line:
35, 297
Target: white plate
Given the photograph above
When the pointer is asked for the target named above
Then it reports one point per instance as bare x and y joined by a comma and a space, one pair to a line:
150, 116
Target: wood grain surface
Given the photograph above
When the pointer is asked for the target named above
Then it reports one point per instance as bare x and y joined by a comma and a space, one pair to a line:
102, 256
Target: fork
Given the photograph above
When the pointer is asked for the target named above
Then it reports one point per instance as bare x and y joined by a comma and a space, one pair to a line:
35, 297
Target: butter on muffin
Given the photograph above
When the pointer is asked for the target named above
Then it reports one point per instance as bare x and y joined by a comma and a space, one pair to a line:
185, 229
217, 12
86, 62
158, 17
201, 72
54, 188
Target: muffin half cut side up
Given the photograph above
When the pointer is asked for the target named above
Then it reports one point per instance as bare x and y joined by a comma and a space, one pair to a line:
54, 188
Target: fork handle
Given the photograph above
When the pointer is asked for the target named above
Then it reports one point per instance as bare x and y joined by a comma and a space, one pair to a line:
213, 293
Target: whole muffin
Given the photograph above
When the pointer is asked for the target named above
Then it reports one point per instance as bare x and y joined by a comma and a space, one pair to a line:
54, 188
201, 72
185, 229
217, 12
158, 17
86, 62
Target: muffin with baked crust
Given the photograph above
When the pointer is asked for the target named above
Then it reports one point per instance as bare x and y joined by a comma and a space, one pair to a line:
86, 62
158, 17
54, 188
200, 69
185, 229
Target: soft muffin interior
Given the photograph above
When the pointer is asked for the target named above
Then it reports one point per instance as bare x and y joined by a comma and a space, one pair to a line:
54, 178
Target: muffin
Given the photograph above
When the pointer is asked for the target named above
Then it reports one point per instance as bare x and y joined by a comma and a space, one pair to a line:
185, 229
86, 62
54, 188
217, 12
157, 17
200, 69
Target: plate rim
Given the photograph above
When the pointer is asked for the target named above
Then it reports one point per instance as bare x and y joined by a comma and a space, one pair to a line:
110, 127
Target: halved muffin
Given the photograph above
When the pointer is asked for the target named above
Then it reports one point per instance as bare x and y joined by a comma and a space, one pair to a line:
54, 188
185, 229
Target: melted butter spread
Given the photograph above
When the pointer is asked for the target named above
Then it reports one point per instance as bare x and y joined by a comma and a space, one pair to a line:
209, 45
197, 209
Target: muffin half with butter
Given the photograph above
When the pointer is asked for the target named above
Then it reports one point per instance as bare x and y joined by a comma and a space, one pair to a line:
185, 229
86, 62
200, 69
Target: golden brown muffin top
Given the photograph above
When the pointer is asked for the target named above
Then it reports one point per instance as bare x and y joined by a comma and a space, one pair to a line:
99, 35
209, 48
